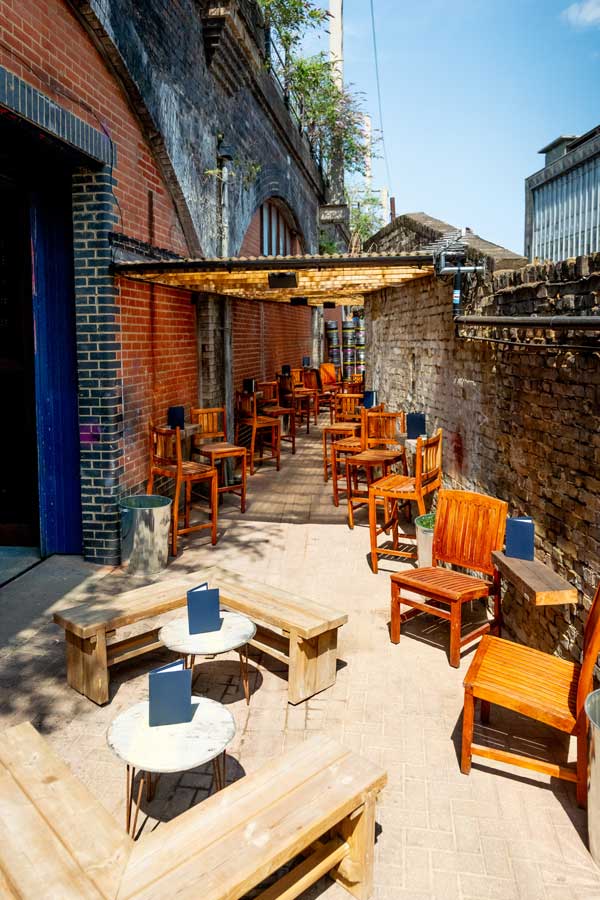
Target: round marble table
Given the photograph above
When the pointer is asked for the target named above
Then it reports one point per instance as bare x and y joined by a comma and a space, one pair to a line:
235, 632
160, 749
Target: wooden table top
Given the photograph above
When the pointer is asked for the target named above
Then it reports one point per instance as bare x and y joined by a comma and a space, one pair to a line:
535, 580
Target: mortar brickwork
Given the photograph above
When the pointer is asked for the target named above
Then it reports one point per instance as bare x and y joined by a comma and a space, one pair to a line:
520, 424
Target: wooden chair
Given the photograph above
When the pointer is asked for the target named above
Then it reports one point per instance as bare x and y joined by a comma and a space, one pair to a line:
270, 406
312, 381
166, 461
247, 417
395, 491
346, 407
539, 686
331, 376
298, 377
300, 398
333, 433
468, 527
212, 443
380, 433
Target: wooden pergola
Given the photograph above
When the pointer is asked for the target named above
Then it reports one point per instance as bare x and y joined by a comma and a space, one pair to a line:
301, 280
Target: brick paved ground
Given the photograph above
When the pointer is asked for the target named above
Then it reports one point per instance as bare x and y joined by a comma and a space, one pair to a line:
443, 835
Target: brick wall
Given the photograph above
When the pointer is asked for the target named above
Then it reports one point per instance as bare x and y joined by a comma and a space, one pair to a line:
519, 423
267, 336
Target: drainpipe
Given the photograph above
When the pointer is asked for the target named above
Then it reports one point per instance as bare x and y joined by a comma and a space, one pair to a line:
224, 158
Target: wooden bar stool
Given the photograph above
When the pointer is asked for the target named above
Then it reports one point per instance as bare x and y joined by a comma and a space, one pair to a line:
398, 490
298, 397
380, 433
259, 426
166, 461
270, 406
212, 443
332, 433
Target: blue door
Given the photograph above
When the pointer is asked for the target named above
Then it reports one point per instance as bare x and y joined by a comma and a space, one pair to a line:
55, 363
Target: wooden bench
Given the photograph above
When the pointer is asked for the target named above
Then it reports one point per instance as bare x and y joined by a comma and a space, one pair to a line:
57, 840
301, 634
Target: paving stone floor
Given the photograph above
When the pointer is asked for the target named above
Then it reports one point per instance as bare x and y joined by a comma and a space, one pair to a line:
441, 835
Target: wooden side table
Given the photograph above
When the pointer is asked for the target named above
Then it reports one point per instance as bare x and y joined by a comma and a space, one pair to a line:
161, 749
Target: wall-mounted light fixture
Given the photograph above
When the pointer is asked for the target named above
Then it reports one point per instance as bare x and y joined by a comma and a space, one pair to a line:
329, 304
299, 301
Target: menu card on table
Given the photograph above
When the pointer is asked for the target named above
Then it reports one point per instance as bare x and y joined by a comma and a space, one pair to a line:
204, 613
170, 694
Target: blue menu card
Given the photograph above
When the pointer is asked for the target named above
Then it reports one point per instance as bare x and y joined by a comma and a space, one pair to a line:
520, 535
203, 609
170, 694
415, 425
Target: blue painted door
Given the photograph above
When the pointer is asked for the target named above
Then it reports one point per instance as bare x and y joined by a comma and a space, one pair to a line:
55, 368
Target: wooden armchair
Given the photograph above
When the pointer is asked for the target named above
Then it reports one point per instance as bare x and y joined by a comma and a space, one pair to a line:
539, 686
212, 443
468, 527
259, 426
395, 491
166, 461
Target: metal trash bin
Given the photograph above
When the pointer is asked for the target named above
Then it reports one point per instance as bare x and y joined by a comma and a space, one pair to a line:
145, 523
592, 708
424, 530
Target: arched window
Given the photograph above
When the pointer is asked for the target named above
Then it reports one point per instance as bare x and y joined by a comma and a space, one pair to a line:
277, 236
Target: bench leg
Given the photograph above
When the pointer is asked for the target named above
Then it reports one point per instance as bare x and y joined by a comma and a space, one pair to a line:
355, 872
312, 665
87, 666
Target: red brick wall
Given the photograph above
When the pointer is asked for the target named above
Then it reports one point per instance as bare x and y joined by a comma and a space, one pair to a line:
158, 336
267, 335
159, 365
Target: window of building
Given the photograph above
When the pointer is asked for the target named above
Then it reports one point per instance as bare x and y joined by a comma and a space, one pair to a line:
277, 237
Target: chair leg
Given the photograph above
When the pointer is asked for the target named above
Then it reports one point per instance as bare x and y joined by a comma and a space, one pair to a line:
276, 438
421, 505
467, 731
455, 625
349, 494
395, 615
252, 445
582, 766
293, 430
244, 475
325, 473
188, 503
334, 477
214, 506
150, 483
175, 518
373, 530
497, 628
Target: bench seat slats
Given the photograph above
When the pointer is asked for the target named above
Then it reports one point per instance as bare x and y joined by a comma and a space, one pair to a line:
262, 832
83, 826
88, 617
32, 857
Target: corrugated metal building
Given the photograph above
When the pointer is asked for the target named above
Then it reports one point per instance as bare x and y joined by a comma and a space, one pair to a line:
562, 200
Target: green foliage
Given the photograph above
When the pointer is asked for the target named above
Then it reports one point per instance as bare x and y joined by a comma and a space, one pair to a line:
330, 113
366, 214
327, 246
292, 18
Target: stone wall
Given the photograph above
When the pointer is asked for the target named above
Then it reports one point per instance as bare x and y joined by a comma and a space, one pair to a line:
520, 423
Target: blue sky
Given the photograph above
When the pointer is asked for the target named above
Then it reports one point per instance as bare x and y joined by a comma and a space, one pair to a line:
471, 90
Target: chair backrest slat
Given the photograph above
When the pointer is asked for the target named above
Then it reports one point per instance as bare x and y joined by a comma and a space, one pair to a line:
468, 526
329, 374
270, 391
245, 406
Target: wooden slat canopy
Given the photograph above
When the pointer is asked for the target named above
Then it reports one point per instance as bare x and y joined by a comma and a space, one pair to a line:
339, 279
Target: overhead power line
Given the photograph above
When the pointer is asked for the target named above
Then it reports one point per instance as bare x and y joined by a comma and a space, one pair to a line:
378, 81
